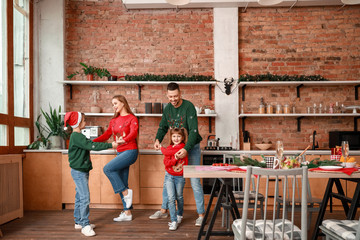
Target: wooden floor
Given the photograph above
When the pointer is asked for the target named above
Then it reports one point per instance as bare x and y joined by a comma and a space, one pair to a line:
59, 225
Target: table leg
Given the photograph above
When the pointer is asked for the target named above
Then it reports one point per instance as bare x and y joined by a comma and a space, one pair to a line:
208, 208
354, 202
322, 208
341, 192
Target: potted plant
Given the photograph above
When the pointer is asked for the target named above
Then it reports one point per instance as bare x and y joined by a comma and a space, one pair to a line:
55, 127
89, 71
41, 142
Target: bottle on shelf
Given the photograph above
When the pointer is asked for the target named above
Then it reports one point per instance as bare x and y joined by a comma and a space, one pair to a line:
331, 108
278, 109
262, 106
270, 109
242, 109
286, 109
314, 108
320, 108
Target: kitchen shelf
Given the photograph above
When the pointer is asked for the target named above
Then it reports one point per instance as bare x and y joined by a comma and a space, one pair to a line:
138, 83
299, 116
146, 115
298, 85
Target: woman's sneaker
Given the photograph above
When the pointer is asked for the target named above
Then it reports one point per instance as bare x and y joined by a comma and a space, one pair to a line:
158, 214
123, 217
179, 219
88, 231
128, 198
78, 226
173, 226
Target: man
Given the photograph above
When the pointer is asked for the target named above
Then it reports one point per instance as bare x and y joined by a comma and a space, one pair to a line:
181, 113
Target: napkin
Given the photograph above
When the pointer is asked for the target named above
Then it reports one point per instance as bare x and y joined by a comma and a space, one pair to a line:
347, 171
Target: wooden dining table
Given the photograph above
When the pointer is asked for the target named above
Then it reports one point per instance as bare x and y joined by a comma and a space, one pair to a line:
224, 178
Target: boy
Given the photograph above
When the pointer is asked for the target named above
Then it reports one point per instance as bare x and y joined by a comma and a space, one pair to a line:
80, 164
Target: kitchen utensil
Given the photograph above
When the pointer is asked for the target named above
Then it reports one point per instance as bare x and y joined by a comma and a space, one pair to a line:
207, 111
148, 107
112, 78
198, 110
263, 146
302, 153
213, 142
157, 108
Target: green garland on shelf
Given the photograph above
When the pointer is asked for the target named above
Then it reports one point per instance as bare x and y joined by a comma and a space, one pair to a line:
284, 78
168, 78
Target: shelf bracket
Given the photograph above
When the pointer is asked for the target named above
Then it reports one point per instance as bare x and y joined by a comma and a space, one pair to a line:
298, 90
355, 123
243, 124
299, 123
210, 95
139, 91
209, 124
357, 92
70, 85
243, 92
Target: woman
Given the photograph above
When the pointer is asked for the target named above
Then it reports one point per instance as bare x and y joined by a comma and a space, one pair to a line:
124, 127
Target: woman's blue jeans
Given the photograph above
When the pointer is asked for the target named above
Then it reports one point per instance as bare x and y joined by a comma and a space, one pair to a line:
117, 171
174, 187
82, 197
194, 157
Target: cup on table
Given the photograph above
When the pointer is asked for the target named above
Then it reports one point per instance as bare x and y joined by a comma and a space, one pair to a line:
269, 162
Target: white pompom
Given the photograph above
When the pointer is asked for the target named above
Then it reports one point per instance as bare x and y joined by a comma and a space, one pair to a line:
65, 128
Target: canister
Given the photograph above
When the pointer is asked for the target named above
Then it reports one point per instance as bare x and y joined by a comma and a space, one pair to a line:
270, 109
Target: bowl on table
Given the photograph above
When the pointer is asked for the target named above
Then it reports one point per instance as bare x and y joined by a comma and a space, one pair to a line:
263, 146
350, 164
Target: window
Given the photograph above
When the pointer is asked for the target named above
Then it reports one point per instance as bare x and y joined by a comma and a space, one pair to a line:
3, 65
16, 118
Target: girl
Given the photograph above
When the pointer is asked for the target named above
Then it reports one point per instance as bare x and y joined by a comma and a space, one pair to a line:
174, 181
124, 128
80, 164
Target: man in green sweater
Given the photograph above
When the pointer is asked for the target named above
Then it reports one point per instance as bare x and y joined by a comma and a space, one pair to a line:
80, 164
181, 113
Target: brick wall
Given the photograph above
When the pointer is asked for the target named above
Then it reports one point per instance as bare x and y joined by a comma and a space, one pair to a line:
316, 40
309, 41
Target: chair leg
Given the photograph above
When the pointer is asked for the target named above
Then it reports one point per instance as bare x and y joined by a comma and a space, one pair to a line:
222, 217
262, 209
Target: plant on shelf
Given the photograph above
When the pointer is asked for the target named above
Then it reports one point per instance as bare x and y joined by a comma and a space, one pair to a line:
89, 71
272, 77
168, 78
102, 72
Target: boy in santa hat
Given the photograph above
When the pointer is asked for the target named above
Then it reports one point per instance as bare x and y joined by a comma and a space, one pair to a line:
80, 164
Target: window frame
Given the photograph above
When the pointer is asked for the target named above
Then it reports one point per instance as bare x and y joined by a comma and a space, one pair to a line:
9, 119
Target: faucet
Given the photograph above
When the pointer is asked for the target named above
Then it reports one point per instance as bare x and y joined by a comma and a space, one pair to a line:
317, 144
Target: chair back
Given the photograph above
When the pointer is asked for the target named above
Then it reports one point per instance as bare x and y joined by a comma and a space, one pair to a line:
285, 175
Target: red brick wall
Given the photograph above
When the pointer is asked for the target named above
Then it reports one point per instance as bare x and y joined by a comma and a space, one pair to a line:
304, 40
104, 34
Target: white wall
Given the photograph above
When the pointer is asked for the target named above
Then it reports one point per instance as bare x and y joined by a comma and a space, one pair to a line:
48, 54
226, 65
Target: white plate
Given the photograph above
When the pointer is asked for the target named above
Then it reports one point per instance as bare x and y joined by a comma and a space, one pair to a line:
330, 167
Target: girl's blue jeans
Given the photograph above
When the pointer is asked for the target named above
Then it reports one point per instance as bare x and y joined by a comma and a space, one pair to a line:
117, 171
174, 187
82, 197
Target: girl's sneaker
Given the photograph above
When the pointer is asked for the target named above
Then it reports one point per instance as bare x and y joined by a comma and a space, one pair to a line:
173, 226
128, 198
88, 231
78, 226
179, 219
158, 214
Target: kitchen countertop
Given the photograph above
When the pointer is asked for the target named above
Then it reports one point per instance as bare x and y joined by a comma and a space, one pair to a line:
207, 152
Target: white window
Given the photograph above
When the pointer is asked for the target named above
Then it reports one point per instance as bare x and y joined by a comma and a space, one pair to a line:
3, 60
22, 136
3, 135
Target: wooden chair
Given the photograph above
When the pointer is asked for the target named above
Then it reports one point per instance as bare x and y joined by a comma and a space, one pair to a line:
283, 228
312, 203
341, 229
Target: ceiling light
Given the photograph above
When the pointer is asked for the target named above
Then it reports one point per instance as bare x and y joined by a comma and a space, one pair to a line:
350, 2
270, 2
178, 2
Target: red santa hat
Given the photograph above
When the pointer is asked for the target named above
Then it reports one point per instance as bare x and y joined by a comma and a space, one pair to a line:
73, 119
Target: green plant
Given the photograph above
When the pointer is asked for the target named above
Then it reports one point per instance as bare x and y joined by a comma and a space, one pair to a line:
168, 78
102, 72
41, 137
55, 126
88, 70
273, 77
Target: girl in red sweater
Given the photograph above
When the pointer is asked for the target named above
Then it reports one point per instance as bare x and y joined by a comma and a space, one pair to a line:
174, 181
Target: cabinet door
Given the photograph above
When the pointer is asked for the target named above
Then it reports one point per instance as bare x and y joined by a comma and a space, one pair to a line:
68, 185
107, 193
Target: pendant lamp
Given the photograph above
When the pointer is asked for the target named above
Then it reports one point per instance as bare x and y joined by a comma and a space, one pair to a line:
350, 2
178, 2
269, 2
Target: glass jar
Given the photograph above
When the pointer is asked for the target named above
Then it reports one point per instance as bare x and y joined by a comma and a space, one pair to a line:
286, 109
278, 109
261, 109
269, 109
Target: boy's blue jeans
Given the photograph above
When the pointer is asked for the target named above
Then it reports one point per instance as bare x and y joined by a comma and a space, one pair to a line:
82, 197
117, 171
194, 157
174, 187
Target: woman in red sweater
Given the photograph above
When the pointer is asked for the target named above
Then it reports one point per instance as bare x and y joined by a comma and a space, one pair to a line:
174, 181
124, 128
